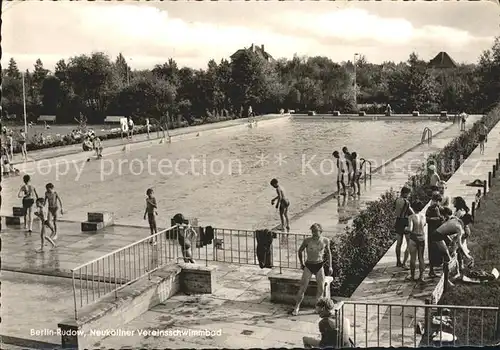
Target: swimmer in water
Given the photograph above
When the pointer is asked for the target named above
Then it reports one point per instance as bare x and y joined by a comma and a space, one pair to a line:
282, 203
315, 246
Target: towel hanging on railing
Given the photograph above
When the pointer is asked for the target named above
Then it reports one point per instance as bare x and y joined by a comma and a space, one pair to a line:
264, 248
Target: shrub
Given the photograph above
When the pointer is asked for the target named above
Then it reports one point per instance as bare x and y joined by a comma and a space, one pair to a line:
359, 248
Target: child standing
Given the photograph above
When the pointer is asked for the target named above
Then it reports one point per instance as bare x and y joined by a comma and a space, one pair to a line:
43, 223
53, 199
150, 212
97, 147
282, 203
22, 143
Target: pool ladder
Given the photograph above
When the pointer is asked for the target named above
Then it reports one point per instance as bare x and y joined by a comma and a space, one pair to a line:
427, 133
363, 166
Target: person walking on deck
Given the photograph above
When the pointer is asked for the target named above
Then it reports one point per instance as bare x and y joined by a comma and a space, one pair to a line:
282, 204
483, 136
316, 247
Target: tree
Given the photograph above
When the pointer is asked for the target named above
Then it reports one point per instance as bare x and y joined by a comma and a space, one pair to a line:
12, 70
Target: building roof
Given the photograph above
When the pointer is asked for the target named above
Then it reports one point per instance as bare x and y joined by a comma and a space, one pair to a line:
257, 49
442, 60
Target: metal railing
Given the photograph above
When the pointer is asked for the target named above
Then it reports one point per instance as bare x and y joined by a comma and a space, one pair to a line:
109, 273
427, 133
387, 325
363, 167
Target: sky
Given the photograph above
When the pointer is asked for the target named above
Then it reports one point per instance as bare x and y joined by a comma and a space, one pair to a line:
149, 33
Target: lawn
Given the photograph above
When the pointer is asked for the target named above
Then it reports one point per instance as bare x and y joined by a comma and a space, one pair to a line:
484, 244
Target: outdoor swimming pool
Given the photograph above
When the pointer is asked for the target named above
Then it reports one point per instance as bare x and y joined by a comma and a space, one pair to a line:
223, 178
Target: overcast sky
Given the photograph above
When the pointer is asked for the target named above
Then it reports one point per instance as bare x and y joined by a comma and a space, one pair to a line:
194, 32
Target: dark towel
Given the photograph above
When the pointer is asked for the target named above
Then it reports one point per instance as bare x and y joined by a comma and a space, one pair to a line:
264, 248
201, 239
209, 235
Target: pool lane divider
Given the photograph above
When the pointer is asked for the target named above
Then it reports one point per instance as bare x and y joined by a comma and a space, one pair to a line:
336, 193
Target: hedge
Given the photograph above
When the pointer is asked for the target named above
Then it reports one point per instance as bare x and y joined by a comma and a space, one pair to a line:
359, 248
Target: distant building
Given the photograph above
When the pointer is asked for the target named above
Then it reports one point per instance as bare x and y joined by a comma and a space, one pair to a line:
258, 50
442, 61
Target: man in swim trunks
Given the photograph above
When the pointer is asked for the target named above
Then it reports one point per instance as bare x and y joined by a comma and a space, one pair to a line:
348, 163
483, 136
340, 173
315, 246
282, 203
403, 211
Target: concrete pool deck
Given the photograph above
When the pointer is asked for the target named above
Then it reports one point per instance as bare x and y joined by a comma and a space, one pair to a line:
175, 134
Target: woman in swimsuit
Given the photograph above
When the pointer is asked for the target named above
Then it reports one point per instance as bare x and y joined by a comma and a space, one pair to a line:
28, 194
315, 247
416, 243
462, 212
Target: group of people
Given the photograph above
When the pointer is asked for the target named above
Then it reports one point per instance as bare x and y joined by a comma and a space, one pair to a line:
92, 142
8, 142
47, 209
447, 231
347, 165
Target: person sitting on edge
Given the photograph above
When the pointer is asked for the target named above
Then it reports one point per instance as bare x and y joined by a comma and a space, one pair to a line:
416, 243
186, 234
403, 211
315, 247
282, 203
333, 334
340, 173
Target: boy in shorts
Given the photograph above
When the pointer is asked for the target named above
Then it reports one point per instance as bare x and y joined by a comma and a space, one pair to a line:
282, 203
53, 199
150, 212
43, 223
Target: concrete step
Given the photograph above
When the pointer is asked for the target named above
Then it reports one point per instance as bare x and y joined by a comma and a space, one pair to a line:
12, 220
103, 216
88, 226
17, 211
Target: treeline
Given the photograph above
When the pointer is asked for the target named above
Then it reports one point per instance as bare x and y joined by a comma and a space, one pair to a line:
95, 86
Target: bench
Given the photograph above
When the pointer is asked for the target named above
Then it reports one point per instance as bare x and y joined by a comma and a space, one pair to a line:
285, 286
416, 113
97, 221
336, 113
362, 114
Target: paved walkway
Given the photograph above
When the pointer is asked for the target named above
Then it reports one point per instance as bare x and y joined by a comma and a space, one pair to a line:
386, 283
176, 134
335, 213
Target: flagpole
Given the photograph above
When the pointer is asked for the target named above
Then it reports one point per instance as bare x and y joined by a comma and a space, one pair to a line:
24, 108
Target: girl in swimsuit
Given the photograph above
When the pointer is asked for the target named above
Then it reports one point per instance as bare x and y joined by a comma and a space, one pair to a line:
316, 247
43, 223
28, 194
416, 243
462, 212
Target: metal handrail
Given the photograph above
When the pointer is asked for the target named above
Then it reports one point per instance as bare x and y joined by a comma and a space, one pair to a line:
427, 132
407, 325
363, 161
106, 275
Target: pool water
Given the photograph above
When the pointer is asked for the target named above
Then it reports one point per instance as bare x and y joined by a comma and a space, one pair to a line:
223, 178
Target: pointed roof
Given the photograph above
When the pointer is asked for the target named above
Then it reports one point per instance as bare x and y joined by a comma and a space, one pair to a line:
442, 60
